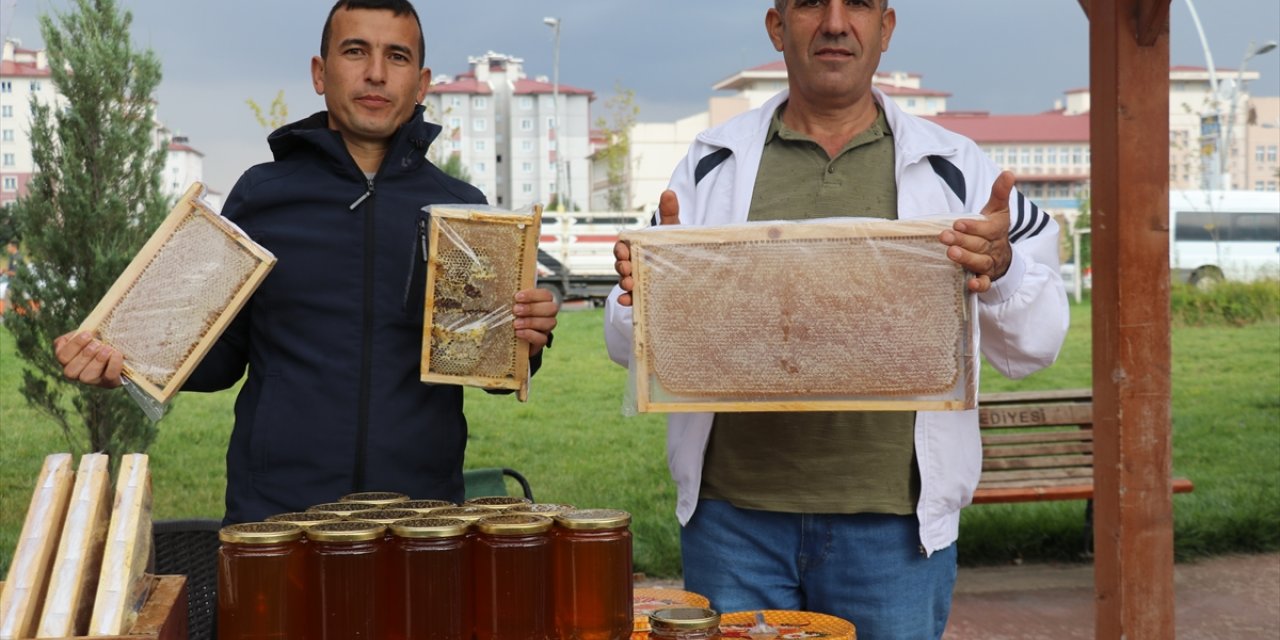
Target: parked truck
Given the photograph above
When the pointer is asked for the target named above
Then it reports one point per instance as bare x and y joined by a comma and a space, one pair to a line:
575, 252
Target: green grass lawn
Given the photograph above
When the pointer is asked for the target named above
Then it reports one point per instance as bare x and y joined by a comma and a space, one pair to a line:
575, 446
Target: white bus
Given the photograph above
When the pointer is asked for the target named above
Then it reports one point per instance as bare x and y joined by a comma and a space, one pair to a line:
1217, 235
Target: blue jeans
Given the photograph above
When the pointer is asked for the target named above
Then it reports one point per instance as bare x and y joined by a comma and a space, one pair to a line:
866, 568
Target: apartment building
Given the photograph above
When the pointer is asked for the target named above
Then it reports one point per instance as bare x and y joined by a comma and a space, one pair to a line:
502, 126
25, 75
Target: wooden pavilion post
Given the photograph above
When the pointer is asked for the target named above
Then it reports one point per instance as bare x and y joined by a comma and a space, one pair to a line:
1133, 506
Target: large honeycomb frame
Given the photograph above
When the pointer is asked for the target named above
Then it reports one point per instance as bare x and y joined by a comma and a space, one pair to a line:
178, 295
477, 260
824, 315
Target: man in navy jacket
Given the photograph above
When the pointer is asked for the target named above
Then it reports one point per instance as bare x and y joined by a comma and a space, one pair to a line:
333, 402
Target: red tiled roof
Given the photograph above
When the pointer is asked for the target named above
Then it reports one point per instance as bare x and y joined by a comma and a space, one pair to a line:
776, 65
525, 86
464, 84
178, 146
891, 90
11, 69
1043, 127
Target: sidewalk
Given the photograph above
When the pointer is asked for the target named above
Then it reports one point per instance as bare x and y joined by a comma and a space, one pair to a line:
1222, 597
1227, 597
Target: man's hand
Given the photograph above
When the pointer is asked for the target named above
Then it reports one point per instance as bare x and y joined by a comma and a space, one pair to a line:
87, 360
982, 246
668, 213
535, 313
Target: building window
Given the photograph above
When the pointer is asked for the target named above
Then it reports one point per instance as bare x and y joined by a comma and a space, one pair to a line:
526, 102
8, 160
999, 156
481, 167
911, 102
1271, 153
1051, 157
6, 87
35, 86
8, 135
551, 123
10, 183
479, 124
526, 167
479, 102
455, 101
526, 188
455, 123
526, 124
480, 145
551, 187
551, 144
455, 145
6, 111
526, 145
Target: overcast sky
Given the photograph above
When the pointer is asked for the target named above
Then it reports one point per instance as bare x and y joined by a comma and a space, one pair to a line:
1003, 56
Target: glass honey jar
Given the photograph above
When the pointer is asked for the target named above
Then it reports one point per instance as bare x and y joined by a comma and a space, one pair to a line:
431, 568
383, 498
547, 509
496, 503
684, 623
347, 579
511, 563
386, 517
591, 574
425, 506
261, 578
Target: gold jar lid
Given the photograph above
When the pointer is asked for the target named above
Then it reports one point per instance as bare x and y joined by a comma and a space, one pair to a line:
813, 626
344, 509
375, 497
423, 506
346, 531
260, 533
386, 516
305, 518
496, 502
593, 519
513, 525
430, 528
684, 619
548, 509
470, 514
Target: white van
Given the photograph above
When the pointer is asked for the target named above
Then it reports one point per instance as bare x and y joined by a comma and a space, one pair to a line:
1216, 235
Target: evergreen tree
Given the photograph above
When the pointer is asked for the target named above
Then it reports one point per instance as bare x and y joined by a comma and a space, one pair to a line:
92, 203
453, 166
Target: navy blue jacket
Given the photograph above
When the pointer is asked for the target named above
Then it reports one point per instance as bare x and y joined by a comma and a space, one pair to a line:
333, 337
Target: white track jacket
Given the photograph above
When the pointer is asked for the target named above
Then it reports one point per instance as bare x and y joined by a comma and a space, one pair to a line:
1022, 319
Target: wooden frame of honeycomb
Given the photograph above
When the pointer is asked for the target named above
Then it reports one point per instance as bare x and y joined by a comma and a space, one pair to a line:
477, 260
824, 315
188, 309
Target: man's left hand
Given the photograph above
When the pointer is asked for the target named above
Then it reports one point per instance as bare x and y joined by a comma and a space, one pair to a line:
982, 246
535, 313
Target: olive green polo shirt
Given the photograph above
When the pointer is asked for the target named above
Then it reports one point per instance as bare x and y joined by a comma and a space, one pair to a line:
818, 462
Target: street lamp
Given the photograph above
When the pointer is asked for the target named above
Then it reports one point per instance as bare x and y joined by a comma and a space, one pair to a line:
554, 23
1249, 53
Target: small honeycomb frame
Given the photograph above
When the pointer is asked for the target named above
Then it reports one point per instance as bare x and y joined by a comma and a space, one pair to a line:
178, 295
824, 315
477, 260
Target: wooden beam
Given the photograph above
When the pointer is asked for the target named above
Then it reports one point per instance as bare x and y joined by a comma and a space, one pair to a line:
1133, 510
1153, 21
1084, 4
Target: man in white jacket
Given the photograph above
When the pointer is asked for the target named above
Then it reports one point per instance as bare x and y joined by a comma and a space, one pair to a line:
855, 514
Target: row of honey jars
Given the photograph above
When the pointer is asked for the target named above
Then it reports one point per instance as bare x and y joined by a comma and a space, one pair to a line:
528, 582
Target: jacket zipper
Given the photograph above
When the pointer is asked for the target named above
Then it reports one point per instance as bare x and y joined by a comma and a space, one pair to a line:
419, 243
366, 345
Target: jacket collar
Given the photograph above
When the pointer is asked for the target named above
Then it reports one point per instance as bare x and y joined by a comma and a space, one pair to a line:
913, 142
407, 150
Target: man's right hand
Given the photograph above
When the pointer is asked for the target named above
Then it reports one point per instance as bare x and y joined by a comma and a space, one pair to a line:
87, 360
668, 214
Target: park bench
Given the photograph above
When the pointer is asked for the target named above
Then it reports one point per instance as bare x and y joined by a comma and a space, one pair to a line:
1038, 446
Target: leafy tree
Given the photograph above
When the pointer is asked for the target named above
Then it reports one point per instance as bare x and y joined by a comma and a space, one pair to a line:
275, 116
453, 166
93, 202
616, 152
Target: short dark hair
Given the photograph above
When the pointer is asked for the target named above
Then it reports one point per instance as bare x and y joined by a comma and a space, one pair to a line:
396, 7
781, 5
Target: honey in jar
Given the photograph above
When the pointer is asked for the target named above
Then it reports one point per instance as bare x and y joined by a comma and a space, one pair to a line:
382, 498
591, 574
684, 623
347, 579
431, 569
512, 575
261, 578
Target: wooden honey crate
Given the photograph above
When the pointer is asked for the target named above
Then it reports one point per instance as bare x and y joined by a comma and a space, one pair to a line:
163, 616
